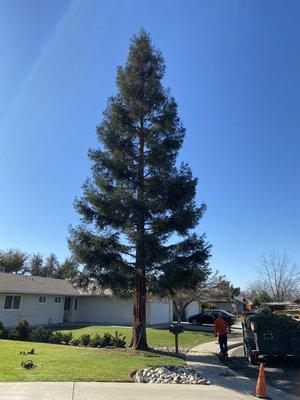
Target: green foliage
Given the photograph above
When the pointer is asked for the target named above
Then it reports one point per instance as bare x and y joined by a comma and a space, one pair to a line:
2, 331
267, 321
14, 261
67, 270
59, 337
261, 297
76, 342
96, 340
85, 339
40, 334
207, 305
106, 340
118, 339
56, 337
20, 332
67, 337
51, 266
36, 265
138, 197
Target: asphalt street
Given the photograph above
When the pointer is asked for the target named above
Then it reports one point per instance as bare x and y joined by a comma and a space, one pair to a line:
283, 374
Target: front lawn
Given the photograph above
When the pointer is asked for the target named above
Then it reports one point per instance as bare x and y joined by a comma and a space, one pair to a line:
155, 337
68, 363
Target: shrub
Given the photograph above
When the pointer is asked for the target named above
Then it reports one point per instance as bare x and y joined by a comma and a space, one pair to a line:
95, 340
75, 342
85, 339
67, 337
56, 337
106, 340
20, 332
40, 334
2, 331
118, 340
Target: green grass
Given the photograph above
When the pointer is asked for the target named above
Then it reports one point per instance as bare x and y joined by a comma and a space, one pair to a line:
155, 337
68, 363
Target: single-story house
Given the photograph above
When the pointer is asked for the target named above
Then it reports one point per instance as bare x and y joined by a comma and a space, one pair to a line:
43, 301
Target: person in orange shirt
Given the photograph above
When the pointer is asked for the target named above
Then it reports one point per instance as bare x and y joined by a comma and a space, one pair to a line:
221, 330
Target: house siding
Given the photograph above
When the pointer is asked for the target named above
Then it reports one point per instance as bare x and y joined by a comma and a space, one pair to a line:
192, 309
105, 310
159, 311
91, 309
33, 312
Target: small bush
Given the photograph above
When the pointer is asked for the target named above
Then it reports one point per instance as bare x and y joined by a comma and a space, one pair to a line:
66, 337
75, 342
95, 340
2, 331
106, 340
118, 339
40, 334
56, 337
20, 332
85, 339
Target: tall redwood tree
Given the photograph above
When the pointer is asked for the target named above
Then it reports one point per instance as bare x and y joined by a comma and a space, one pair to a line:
138, 197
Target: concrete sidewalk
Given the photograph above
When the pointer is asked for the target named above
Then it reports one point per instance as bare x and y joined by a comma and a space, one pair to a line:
121, 391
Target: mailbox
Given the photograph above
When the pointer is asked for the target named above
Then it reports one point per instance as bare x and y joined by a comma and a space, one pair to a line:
176, 329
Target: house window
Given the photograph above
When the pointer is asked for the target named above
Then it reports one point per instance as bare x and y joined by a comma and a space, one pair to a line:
42, 299
57, 300
12, 302
76, 304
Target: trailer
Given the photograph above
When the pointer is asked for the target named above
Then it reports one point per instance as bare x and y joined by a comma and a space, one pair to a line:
262, 344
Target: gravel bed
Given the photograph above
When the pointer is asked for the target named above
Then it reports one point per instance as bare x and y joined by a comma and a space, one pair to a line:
171, 350
171, 375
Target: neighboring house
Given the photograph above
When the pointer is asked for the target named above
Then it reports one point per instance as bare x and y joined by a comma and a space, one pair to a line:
43, 301
236, 306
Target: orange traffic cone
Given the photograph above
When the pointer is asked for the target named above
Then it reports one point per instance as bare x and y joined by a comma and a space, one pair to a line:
261, 386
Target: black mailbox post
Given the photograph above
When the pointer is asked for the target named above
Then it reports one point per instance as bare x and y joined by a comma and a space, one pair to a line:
176, 329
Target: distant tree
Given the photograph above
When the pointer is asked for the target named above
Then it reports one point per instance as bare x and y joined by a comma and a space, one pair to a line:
138, 197
14, 261
51, 266
36, 265
67, 270
216, 287
279, 277
224, 289
261, 297
184, 269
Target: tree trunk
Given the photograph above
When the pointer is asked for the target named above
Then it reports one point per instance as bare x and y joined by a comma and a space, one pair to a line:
139, 340
178, 313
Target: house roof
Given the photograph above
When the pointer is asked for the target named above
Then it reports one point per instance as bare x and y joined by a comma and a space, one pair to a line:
14, 283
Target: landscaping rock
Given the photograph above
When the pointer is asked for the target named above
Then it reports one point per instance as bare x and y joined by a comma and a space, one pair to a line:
171, 375
171, 350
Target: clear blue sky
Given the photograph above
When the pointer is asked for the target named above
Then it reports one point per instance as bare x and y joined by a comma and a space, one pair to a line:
233, 67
